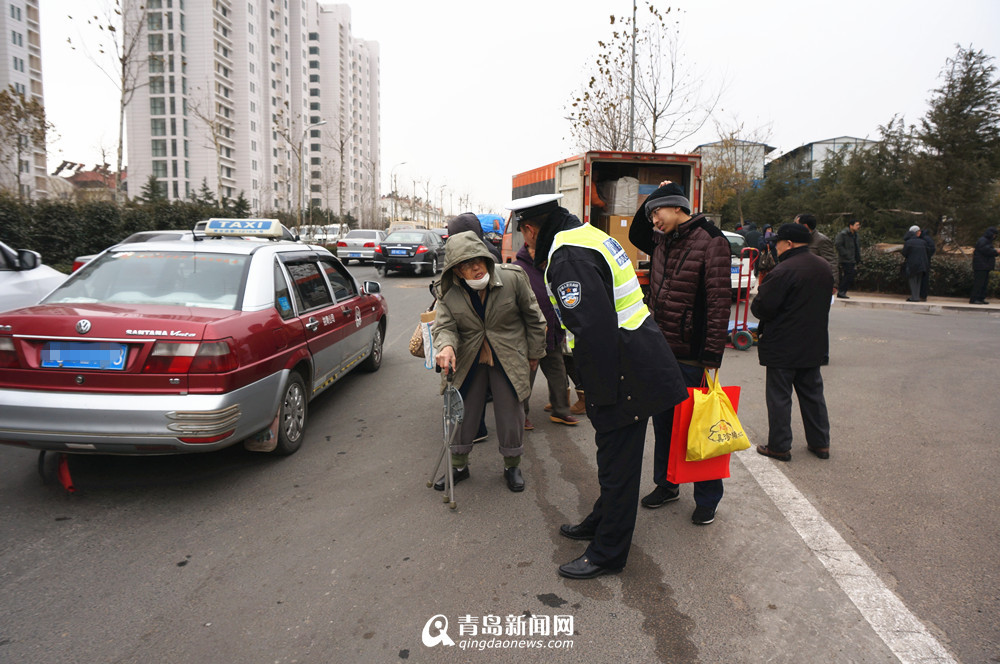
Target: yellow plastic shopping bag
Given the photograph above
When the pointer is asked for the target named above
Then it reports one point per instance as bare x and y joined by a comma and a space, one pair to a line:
715, 430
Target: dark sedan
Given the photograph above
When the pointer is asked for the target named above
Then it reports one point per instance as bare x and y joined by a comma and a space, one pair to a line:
417, 251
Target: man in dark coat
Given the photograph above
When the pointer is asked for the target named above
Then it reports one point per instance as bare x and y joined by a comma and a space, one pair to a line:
689, 293
793, 307
622, 358
984, 261
848, 256
820, 244
917, 261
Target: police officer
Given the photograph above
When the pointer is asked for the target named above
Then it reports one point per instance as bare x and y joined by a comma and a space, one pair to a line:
623, 359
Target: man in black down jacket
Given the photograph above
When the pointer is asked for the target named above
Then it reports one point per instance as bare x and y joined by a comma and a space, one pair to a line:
793, 307
984, 261
689, 294
918, 262
627, 367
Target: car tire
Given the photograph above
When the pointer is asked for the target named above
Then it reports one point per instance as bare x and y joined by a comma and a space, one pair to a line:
434, 266
374, 359
292, 416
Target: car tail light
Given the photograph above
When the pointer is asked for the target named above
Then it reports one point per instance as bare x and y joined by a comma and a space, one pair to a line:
421, 249
341, 244
77, 265
8, 354
369, 245
169, 357
378, 249
215, 357
207, 357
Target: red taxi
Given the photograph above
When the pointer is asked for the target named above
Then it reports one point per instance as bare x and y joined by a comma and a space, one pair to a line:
174, 346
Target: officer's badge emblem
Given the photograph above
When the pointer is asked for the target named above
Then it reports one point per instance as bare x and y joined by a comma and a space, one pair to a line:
570, 294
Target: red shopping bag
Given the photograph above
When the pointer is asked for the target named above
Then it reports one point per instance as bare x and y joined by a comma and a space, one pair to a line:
679, 469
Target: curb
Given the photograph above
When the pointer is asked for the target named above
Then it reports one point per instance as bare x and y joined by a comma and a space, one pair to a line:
923, 307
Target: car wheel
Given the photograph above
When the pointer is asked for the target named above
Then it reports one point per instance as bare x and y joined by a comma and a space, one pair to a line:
374, 359
292, 416
434, 265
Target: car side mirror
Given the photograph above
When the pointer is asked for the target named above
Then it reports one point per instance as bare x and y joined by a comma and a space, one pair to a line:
28, 260
371, 287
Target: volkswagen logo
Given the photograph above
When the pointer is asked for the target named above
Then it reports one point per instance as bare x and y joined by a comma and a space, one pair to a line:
83, 326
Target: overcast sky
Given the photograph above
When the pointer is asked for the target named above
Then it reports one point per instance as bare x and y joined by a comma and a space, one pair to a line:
474, 92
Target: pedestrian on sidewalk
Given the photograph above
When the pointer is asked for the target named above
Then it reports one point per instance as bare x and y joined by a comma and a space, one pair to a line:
917, 261
689, 294
552, 365
984, 261
848, 256
793, 307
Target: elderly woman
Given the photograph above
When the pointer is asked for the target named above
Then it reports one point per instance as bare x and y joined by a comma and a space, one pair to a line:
490, 332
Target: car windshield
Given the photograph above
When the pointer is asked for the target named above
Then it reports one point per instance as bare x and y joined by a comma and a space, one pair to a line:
736, 243
184, 278
405, 237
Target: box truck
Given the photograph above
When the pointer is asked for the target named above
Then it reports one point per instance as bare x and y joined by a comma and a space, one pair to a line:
605, 188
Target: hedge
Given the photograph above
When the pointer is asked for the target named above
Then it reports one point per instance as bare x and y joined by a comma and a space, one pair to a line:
950, 276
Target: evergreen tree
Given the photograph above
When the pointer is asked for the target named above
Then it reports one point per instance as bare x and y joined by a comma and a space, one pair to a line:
153, 191
240, 207
205, 195
954, 174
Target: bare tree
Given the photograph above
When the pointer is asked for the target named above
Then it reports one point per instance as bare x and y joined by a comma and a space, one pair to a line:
22, 130
217, 130
732, 164
123, 28
671, 103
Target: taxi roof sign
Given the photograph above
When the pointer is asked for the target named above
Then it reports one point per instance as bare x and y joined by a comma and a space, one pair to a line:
244, 227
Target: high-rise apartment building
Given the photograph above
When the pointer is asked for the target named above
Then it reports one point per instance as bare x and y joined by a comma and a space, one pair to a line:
239, 95
22, 164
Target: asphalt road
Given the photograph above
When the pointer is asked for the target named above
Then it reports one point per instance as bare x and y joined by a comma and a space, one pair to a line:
341, 554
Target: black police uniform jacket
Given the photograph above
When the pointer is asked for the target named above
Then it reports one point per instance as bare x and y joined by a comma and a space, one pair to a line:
628, 375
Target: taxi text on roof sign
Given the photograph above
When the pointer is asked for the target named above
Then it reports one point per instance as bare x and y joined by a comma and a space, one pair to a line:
244, 227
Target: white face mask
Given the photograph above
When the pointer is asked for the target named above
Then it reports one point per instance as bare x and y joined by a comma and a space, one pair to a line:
479, 284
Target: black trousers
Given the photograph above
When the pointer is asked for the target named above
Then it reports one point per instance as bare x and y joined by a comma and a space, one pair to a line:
847, 272
808, 386
619, 470
979, 280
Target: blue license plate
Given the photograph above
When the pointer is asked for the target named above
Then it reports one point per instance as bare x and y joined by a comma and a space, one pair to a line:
734, 269
354, 254
103, 356
398, 252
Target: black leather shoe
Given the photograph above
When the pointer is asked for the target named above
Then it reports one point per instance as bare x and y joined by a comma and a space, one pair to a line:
459, 475
580, 532
515, 481
821, 452
582, 568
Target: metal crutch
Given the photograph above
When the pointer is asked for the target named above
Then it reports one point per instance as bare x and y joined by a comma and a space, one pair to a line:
452, 416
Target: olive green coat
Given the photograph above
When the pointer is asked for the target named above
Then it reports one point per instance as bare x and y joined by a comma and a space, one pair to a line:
514, 325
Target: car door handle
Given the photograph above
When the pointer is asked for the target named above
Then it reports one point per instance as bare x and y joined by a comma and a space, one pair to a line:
346, 311
312, 324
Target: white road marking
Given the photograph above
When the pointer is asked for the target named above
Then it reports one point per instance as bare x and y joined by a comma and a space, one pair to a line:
901, 631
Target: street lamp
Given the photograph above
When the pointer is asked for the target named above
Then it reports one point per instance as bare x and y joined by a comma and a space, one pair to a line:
395, 194
301, 160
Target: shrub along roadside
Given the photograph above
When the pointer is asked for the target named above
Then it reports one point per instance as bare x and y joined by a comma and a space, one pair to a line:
951, 276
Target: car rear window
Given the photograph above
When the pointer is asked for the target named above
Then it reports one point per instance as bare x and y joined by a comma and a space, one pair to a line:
405, 238
183, 278
368, 235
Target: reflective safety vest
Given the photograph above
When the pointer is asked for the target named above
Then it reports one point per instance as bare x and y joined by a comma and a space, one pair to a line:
629, 307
